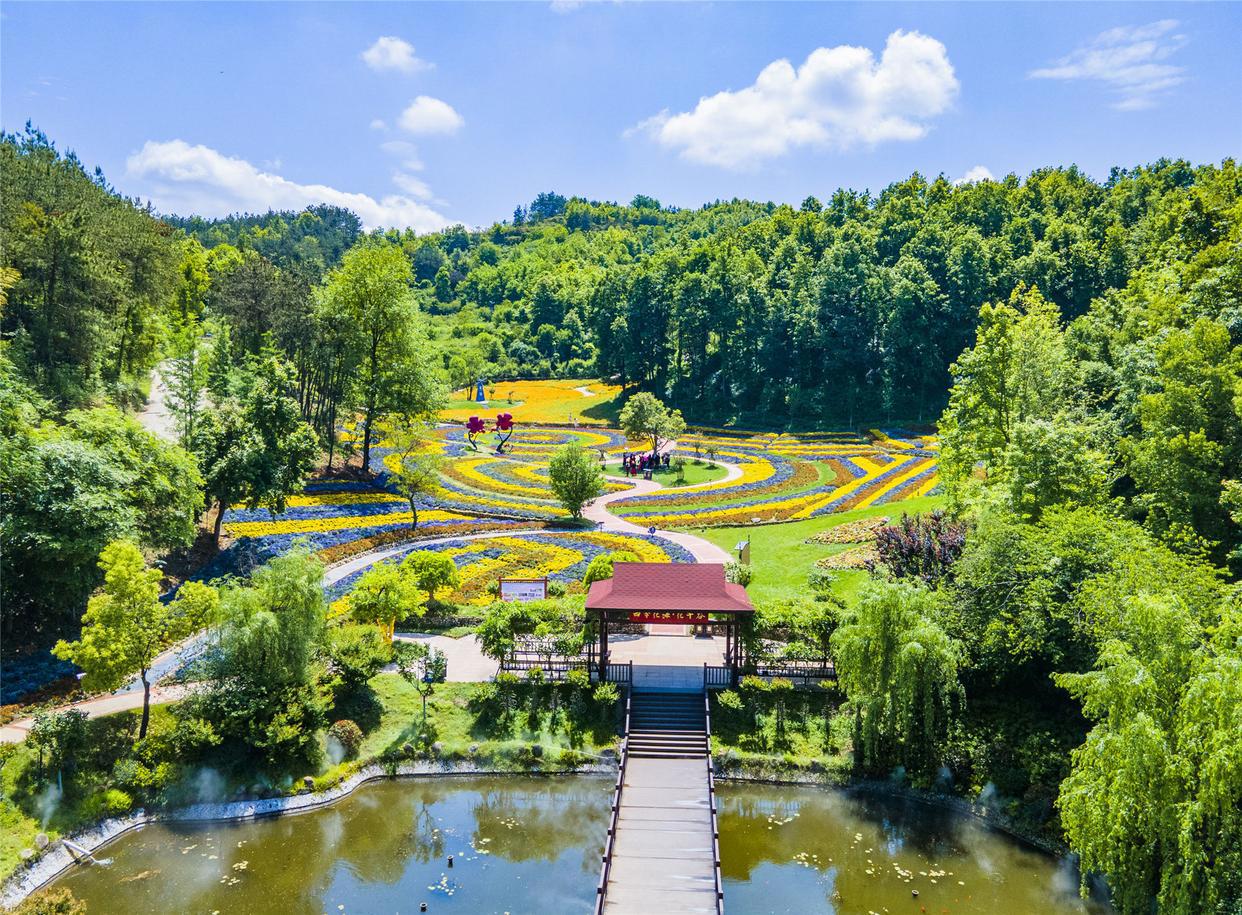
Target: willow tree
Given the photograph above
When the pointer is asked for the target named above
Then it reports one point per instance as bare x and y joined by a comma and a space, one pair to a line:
898, 668
1154, 799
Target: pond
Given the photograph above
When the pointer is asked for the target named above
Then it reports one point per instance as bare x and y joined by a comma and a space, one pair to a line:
531, 845
518, 845
809, 851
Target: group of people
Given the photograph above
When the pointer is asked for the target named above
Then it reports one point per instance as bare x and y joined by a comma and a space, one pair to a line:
634, 464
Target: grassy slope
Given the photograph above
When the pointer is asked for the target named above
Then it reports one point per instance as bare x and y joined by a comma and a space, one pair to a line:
781, 559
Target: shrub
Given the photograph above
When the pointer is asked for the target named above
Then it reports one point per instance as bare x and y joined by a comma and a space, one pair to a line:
579, 679
59, 901
730, 700
348, 735
108, 803
607, 694
556, 588
437, 666
535, 675
738, 573
820, 581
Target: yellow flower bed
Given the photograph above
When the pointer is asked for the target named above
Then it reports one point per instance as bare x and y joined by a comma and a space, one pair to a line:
539, 401
312, 525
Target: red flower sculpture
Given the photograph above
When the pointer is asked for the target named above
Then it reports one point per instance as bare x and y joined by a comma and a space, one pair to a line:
474, 425
504, 423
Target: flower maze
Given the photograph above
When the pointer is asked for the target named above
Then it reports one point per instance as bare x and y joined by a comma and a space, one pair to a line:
791, 477
501, 495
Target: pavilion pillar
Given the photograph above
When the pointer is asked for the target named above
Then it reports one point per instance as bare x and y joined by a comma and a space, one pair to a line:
603, 646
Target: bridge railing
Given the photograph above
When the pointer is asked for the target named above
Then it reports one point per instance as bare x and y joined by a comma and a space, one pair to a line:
715, 677
711, 802
601, 888
554, 667
620, 673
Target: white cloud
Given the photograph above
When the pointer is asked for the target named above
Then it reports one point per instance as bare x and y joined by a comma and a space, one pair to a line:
378, 124
427, 115
838, 98
978, 173
415, 187
189, 179
1129, 60
566, 6
406, 150
393, 53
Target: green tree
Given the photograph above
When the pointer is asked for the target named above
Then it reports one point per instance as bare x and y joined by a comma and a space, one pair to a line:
1191, 439
898, 667
574, 478
58, 737
414, 462
69, 490
432, 571
600, 567
356, 652
385, 594
126, 625
1154, 795
372, 288
257, 451
266, 686
1018, 371
185, 374
645, 416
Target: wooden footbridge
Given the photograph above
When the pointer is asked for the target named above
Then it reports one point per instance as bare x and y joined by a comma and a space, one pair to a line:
662, 853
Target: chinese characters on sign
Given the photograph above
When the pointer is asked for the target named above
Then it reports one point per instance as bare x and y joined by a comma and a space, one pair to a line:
674, 617
523, 590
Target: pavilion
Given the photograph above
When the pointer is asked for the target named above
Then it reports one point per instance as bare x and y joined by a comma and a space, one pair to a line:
696, 594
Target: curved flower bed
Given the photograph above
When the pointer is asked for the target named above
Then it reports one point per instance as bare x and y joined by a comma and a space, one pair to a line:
560, 556
780, 481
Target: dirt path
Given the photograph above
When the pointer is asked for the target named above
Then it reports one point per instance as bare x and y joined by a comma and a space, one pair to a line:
155, 416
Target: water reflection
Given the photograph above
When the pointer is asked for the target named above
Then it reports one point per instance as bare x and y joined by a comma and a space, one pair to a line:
519, 845
804, 851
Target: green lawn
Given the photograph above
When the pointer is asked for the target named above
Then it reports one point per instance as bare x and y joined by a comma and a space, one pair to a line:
694, 474
781, 559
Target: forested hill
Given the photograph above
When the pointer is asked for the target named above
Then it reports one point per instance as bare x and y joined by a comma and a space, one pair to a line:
742, 309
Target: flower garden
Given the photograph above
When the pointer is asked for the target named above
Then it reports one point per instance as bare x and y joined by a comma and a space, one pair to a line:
792, 477
559, 556
507, 496
584, 401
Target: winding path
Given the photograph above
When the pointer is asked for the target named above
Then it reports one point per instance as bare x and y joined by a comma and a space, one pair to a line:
130, 696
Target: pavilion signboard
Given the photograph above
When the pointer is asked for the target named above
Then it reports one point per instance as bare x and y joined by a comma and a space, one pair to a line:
670, 617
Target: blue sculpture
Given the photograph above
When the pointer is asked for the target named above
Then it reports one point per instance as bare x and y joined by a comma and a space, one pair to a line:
479, 396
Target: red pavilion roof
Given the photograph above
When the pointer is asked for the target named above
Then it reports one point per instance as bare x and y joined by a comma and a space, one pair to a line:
668, 586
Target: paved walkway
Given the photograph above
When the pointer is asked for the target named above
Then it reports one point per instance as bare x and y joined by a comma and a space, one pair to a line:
663, 856
597, 511
16, 731
666, 661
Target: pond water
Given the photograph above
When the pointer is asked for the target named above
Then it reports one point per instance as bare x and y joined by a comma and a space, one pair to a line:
808, 851
531, 845
518, 845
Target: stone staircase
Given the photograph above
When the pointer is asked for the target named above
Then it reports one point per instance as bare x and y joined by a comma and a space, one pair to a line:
667, 725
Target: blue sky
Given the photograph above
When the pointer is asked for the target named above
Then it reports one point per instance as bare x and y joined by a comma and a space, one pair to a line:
427, 114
